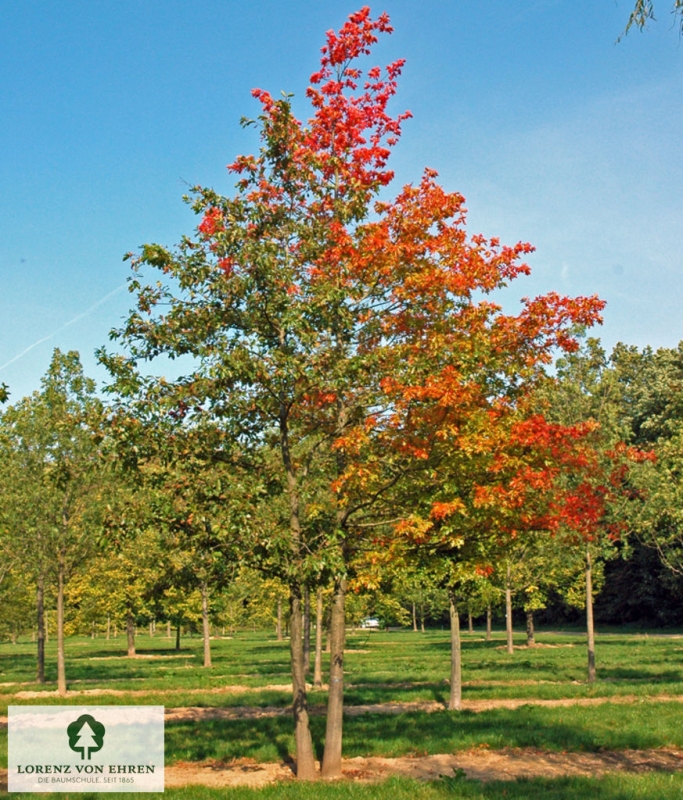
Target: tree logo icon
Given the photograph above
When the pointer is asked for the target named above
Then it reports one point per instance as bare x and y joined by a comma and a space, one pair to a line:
86, 735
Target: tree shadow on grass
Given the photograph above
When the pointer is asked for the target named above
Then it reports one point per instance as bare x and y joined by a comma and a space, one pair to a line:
569, 728
566, 729
640, 675
266, 739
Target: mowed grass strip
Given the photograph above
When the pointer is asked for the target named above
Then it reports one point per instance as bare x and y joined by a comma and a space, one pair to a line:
606, 727
380, 667
610, 787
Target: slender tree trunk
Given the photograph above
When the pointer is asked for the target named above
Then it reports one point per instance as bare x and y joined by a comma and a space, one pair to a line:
508, 610
151, 630
305, 759
206, 631
130, 633
307, 630
318, 661
278, 628
530, 633
455, 699
40, 607
177, 638
414, 618
332, 757
488, 623
61, 668
108, 626
589, 617
470, 622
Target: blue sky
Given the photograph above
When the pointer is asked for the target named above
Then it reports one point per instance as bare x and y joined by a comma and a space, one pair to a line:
554, 133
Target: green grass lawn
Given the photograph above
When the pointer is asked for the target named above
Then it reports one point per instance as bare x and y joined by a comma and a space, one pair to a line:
384, 667
610, 787
380, 667
579, 729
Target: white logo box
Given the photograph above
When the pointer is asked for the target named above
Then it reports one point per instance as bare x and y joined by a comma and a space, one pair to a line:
85, 749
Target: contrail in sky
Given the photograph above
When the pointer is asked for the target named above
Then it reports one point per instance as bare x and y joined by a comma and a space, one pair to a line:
66, 325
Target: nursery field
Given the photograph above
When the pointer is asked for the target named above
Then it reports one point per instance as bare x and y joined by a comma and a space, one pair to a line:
531, 725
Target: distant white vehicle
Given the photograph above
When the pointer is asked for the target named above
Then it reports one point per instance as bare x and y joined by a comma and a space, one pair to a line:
370, 622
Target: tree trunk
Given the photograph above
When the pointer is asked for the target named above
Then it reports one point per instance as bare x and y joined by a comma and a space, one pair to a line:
530, 633
151, 630
278, 627
470, 622
177, 638
108, 626
305, 760
332, 757
414, 618
130, 633
318, 661
455, 699
206, 631
61, 668
307, 630
508, 611
488, 623
40, 607
589, 617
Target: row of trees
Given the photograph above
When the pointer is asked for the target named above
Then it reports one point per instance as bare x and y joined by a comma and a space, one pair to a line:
359, 405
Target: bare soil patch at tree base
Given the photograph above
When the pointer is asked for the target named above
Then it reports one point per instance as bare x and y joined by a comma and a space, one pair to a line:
199, 713
535, 646
236, 689
142, 657
478, 764
196, 714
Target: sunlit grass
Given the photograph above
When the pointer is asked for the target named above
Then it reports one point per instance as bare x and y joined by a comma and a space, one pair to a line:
610, 787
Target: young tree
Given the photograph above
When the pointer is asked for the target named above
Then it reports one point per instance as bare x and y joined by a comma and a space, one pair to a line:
309, 307
589, 388
54, 470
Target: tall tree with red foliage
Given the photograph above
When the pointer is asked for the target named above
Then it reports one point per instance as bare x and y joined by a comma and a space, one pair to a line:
349, 332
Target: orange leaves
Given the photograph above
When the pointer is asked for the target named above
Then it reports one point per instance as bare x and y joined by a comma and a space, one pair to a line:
547, 321
440, 511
